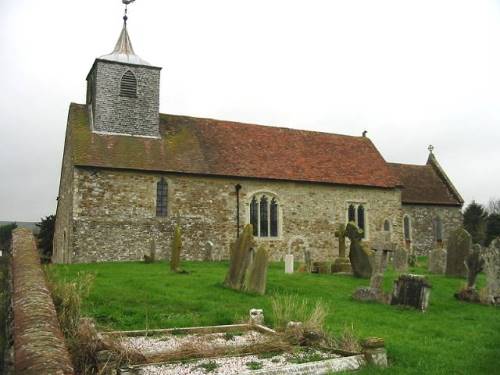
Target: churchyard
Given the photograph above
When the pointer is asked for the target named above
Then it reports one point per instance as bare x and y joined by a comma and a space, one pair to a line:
450, 337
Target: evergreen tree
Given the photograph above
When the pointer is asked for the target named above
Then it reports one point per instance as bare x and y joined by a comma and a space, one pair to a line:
475, 217
6, 236
492, 228
45, 237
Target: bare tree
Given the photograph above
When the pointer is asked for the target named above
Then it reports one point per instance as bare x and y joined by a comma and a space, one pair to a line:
493, 206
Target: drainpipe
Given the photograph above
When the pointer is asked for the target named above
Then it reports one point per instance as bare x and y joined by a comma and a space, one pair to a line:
237, 188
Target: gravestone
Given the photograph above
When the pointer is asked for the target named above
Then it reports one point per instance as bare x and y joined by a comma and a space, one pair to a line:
209, 250
491, 258
437, 261
474, 264
375, 291
289, 263
411, 290
358, 254
458, 248
256, 316
341, 264
400, 259
308, 260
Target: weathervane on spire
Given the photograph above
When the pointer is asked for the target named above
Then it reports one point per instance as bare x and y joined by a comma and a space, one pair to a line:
126, 2
430, 148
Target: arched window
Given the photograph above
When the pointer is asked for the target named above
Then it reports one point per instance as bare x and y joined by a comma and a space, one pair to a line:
274, 218
254, 216
128, 85
438, 229
351, 213
161, 197
356, 213
407, 228
264, 215
387, 225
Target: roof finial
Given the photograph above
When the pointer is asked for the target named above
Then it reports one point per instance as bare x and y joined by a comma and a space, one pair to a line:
430, 148
126, 2
364, 133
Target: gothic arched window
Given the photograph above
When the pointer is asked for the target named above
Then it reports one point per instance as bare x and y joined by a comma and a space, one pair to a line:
274, 218
356, 213
407, 228
128, 85
161, 197
254, 216
351, 213
438, 229
264, 215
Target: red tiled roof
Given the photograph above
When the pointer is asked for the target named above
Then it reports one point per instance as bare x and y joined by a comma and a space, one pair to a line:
223, 148
423, 185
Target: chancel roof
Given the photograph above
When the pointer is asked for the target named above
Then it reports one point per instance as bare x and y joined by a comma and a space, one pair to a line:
222, 148
426, 184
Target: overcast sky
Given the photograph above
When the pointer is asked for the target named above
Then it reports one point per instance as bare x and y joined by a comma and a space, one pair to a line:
412, 73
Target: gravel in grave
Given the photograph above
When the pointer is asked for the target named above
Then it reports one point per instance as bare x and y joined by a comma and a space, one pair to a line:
169, 343
230, 365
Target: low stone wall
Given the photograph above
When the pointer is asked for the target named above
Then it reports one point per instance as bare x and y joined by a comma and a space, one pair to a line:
39, 346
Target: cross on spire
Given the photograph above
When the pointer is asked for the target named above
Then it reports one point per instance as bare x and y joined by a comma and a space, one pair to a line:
430, 148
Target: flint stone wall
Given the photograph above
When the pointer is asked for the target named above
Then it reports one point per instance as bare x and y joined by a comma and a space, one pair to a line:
39, 346
116, 114
423, 238
114, 215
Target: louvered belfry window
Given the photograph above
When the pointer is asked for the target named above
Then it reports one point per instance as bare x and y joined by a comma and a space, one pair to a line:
128, 85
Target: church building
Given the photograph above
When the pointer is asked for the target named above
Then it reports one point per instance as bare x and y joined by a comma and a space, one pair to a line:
131, 174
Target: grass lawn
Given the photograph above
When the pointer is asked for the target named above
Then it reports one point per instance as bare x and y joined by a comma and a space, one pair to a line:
452, 337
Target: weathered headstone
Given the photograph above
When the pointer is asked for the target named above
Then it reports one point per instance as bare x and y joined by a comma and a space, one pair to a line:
256, 316
411, 290
209, 251
458, 248
491, 258
289, 263
474, 264
437, 261
375, 291
400, 259
358, 254
342, 263
308, 260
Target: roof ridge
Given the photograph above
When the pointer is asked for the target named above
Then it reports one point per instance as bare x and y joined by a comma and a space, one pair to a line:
231, 122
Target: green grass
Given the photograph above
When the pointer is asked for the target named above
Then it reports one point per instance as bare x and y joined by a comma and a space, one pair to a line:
452, 337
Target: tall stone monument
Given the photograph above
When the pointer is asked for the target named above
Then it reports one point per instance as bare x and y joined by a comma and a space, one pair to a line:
492, 270
458, 248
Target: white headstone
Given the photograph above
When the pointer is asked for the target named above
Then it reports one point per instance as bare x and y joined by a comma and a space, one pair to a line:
256, 316
289, 263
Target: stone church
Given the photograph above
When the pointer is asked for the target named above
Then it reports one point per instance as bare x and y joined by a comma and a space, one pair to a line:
131, 174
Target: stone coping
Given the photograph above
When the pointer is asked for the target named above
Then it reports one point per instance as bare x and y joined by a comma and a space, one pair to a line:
191, 330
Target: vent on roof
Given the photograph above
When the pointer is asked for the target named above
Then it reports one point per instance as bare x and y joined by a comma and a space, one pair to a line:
128, 85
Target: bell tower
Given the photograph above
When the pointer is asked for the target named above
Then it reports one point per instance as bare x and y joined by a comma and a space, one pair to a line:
123, 91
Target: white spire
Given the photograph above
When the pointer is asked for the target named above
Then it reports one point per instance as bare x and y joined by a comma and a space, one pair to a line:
123, 51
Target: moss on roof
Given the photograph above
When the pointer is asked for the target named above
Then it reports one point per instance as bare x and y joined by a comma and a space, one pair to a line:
223, 148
